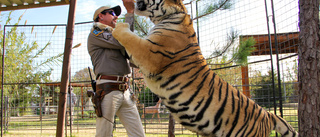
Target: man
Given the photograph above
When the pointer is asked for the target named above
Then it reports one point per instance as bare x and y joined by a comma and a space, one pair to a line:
111, 68
71, 106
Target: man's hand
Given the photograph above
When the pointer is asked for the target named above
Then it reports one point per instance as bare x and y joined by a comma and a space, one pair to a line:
129, 4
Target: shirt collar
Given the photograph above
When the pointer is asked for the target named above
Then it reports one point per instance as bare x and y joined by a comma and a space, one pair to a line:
100, 26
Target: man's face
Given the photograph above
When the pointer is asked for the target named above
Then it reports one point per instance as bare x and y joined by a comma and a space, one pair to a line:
109, 18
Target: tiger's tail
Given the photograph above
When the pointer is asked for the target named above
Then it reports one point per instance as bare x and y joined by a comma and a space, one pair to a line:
282, 127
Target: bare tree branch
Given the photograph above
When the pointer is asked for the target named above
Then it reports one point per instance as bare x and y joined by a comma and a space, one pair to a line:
225, 2
140, 27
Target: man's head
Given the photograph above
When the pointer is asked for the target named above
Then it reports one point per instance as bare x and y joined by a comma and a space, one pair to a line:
107, 15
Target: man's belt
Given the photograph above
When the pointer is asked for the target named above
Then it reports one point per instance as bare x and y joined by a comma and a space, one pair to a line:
108, 87
115, 78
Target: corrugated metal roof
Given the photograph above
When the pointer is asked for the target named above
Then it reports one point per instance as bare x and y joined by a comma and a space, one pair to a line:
26, 4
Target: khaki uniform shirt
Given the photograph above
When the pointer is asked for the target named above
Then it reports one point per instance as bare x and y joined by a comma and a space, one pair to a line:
107, 54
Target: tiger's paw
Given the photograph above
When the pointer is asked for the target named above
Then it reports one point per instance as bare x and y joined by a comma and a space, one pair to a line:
120, 30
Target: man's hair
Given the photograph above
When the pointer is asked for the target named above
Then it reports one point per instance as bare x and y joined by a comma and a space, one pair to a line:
102, 12
97, 19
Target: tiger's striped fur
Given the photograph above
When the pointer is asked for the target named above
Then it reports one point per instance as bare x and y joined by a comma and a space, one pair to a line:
174, 69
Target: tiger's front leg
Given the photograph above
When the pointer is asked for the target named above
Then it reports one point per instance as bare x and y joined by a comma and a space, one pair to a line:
123, 34
138, 48
132, 42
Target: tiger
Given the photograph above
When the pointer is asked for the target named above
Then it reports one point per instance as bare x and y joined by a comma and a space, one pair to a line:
174, 69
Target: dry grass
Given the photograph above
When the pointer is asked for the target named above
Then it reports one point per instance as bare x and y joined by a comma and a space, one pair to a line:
29, 126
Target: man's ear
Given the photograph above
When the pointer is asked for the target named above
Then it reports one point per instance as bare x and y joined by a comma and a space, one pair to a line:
100, 15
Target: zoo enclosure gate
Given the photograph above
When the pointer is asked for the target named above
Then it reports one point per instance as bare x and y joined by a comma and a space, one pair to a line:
31, 78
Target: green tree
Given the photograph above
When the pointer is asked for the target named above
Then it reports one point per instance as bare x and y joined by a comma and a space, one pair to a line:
239, 57
233, 53
22, 72
83, 75
262, 92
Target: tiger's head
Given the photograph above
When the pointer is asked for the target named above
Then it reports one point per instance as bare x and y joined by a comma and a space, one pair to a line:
157, 10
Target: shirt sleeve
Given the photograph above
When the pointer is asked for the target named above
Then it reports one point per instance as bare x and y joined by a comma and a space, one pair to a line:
129, 18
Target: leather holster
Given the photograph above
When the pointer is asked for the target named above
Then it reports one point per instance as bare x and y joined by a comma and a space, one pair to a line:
104, 89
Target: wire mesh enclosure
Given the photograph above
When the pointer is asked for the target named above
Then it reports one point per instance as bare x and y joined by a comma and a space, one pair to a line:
33, 63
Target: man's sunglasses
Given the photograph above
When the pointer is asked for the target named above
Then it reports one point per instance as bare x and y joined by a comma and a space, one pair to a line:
111, 12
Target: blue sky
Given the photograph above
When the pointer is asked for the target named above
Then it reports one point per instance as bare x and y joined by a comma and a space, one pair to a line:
59, 14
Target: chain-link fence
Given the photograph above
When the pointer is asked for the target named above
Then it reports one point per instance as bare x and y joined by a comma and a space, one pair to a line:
33, 63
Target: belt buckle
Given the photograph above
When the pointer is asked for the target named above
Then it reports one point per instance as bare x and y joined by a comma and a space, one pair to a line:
122, 87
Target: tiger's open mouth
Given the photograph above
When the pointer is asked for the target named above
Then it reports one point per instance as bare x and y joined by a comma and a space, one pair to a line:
141, 5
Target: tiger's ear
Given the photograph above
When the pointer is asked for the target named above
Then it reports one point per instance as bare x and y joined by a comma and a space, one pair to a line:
178, 4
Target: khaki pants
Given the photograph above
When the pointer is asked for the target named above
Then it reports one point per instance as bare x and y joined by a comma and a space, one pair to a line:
120, 104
